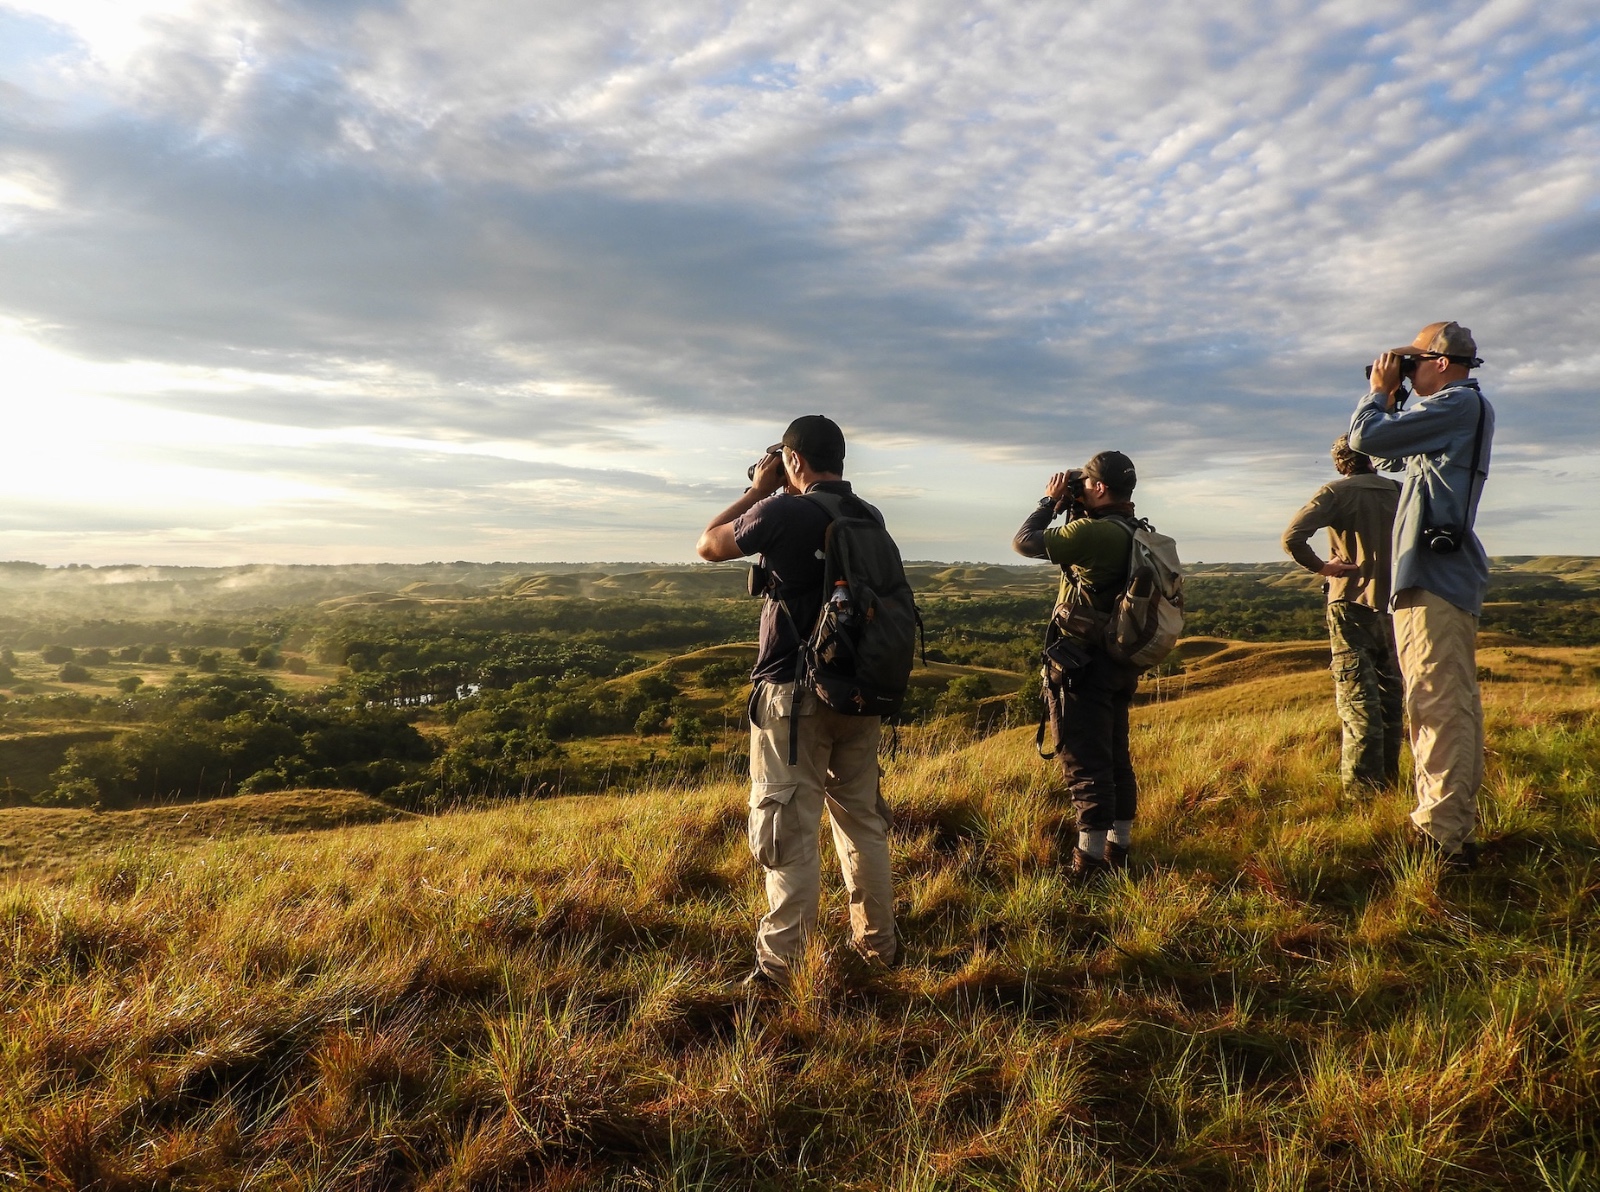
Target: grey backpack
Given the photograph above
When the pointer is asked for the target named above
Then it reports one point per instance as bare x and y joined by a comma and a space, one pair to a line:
1148, 617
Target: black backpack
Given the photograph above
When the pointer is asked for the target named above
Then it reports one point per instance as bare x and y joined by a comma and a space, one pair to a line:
859, 655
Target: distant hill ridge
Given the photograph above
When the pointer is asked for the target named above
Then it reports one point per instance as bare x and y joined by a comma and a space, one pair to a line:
157, 591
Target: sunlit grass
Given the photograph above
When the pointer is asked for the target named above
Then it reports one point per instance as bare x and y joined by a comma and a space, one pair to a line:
1280, 995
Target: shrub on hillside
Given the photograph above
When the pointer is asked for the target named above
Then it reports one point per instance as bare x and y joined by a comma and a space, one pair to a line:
157, 655
55, 655
688, 729
508, 762
73, 673
129, 684
964, 692
1027, 702
129, 653
98, 656
209, 663
77, 792
723, 672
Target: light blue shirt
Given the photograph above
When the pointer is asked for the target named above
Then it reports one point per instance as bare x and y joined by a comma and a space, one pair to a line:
1431, 439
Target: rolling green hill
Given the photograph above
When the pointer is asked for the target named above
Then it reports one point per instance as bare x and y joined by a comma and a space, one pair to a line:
545, 994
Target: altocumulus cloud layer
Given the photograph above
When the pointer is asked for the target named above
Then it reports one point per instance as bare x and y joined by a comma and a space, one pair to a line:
403, 280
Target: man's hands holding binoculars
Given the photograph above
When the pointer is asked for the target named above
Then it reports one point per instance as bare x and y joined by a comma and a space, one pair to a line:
1387, 372
1388, 375
1064, 488
767, 475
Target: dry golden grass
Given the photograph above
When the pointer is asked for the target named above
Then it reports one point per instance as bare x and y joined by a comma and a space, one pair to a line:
49, 843
545, 995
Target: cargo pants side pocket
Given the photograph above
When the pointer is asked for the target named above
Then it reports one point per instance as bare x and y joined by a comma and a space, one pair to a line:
771, 826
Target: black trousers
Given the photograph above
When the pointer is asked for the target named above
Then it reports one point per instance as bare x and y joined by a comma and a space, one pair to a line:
1089, 715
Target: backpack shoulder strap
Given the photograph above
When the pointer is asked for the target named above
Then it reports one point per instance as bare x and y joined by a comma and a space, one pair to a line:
830, 503
838, 505
1131, 524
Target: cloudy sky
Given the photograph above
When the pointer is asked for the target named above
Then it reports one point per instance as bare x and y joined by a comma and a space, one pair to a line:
397, 280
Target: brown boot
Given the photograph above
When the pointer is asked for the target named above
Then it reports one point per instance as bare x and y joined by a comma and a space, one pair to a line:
1083, 869
1116, 856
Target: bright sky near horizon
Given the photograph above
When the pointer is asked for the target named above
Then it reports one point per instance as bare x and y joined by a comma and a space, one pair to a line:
356, 281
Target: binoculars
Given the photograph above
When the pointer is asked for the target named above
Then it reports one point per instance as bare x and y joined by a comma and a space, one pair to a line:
1408, 368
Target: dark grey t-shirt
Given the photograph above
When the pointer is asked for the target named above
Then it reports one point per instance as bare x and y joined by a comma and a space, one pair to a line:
788, 532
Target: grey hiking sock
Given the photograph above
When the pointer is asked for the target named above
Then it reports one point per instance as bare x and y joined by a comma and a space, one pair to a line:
1093, 843
1122, 833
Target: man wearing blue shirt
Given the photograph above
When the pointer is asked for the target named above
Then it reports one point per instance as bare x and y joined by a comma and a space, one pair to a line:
1440, 570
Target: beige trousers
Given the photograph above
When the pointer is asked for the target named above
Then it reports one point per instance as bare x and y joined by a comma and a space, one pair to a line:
837, 765
1437, 644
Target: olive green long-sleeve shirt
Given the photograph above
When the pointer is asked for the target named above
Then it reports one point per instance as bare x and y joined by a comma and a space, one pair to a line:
1092, 552
1358, 513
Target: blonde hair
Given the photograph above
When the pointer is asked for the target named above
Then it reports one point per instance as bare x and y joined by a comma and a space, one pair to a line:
1348, 460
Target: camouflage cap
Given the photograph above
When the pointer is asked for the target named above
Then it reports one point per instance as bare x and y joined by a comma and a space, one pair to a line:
1441, 339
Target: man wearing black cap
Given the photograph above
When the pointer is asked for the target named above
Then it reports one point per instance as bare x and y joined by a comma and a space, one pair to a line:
1441, 572
1089, 712
837, 755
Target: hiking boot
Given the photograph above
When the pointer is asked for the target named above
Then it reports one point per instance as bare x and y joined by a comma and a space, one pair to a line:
1116, 856
852, 966
1083, 869
759, 981
1462, 860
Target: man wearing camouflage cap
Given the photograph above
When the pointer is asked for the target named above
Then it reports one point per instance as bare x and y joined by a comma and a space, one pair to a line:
1358, 512
1441, 572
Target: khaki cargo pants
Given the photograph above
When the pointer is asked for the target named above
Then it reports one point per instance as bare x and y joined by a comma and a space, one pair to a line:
1444, 712
837, 765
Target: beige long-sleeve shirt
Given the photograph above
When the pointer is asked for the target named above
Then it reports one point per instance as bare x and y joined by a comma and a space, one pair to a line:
1358, 513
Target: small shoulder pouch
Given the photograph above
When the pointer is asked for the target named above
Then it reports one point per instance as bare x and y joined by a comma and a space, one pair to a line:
1066, 643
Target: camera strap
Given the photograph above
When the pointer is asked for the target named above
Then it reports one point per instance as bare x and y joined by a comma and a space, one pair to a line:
1472, 476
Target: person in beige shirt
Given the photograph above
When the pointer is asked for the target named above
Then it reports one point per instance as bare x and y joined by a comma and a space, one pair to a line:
1358, 512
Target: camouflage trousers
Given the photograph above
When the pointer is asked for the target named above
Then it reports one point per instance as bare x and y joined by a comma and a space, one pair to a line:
1369, 694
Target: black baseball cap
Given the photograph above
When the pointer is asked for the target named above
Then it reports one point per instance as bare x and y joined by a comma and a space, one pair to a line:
815, 436
1114, 470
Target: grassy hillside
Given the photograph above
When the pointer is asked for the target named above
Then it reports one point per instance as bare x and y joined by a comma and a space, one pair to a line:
544, 995
55, 842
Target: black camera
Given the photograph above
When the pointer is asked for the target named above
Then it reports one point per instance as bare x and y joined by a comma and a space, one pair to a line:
1441, 540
